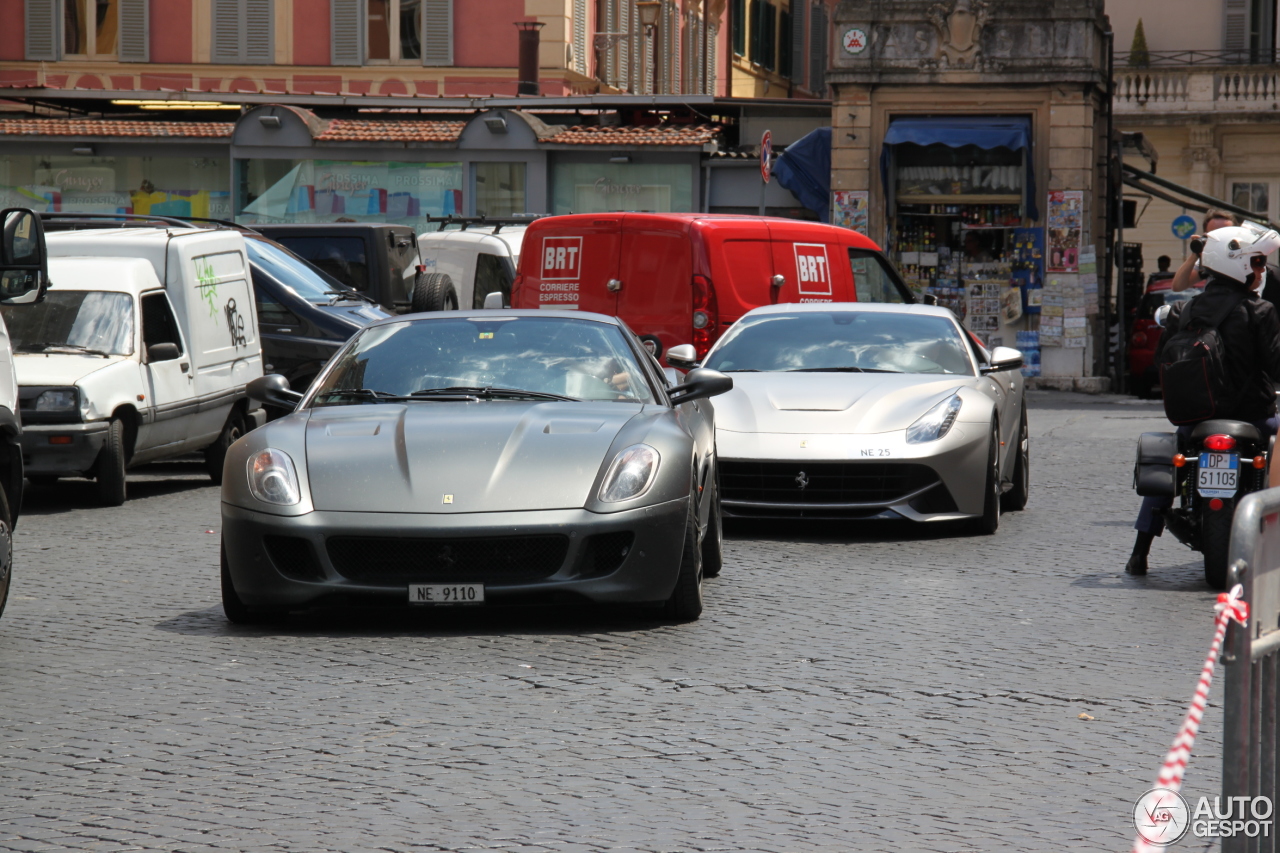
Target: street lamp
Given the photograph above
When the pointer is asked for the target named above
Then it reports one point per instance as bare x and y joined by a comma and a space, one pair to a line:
650, 12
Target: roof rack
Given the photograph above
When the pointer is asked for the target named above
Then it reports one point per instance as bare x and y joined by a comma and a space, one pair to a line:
70, 221
484, 221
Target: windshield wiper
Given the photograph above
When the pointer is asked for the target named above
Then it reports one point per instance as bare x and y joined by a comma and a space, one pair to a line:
489, 393
371, 396
742, 370
347, 296
75, 348
842, 370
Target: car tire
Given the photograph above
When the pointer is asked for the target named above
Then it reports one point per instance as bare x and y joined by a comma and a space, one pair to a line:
989, 522
685, 603
110, 467
1215, 542
216, 454
1015, 499
6, 550
42, 479
236, 610
713, 538
433, 292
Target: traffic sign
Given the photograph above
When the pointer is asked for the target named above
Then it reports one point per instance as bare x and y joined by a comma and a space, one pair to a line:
766, 152
1183, 227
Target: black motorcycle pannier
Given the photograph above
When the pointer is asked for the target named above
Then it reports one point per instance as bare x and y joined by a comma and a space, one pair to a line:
1153, 473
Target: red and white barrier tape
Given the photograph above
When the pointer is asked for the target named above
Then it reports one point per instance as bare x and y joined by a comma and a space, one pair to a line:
1229, 607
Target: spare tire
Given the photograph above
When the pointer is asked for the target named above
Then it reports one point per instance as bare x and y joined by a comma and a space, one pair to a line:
433, 292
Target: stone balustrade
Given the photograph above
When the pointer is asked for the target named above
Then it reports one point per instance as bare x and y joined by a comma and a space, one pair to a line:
1154, 91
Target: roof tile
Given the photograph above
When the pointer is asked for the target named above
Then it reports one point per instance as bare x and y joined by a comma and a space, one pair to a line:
114, 128
686, 134
364, 130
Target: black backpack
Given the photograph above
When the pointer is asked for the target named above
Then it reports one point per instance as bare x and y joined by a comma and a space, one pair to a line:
1193, 371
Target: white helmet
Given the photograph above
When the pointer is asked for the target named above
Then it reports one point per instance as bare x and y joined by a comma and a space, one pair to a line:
1227, 251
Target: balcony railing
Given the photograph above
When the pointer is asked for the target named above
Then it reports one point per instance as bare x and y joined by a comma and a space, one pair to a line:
1241, 88
1183, 58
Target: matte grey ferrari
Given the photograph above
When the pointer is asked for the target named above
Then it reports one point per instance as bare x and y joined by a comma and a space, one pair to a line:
477, 458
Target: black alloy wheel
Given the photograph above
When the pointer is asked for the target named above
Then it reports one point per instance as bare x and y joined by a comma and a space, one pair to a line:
685, 603
713, 536
989, 522
6, 550
1015, 499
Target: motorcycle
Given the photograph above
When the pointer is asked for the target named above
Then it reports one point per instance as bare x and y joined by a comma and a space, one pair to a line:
1204, 471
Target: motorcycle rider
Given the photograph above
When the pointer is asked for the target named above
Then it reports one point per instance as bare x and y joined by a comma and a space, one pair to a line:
1250, 334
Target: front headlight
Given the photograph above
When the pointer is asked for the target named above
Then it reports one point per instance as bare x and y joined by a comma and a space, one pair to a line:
57, 400
936, 422
631, 474
273, 479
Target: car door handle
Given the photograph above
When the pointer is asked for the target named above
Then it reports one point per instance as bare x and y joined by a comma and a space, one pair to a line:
778, 280
613, 285
186, 366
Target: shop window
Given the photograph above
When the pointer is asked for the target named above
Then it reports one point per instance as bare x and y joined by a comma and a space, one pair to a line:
493, 275
74, 28
604, 187
347, 191
172, 186
500, 189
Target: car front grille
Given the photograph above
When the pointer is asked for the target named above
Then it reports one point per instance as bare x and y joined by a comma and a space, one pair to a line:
498, 559
822, 483
293, 557
604, 553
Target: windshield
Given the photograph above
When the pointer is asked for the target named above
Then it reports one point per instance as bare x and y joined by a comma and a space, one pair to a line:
295, 273
837, 341
580, 359
1153, 300
343, 258
92, 321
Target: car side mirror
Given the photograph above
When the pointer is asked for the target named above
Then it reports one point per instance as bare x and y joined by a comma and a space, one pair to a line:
1162, 314
700, 383
683, 356
162, 352
1003, 358
493, 301
24, 262
273, 389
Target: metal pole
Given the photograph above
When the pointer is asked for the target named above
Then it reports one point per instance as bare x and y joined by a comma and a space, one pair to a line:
1122, 375
1112, 183
1237, 723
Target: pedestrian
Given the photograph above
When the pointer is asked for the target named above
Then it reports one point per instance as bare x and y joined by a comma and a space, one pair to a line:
1187, 274
1250, 335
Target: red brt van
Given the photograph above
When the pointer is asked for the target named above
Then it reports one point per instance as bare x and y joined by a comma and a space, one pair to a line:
679, 278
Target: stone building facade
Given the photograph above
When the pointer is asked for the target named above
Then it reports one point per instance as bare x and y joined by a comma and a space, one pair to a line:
916, 85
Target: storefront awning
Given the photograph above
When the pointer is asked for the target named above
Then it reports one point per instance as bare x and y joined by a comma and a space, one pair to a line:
805, 169
1011, 132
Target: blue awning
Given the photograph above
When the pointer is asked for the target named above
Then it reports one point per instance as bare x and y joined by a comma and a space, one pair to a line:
1011, 132
805, 169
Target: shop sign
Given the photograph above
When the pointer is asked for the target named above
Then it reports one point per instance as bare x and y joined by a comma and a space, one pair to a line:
605, 186
854, 40
812, 270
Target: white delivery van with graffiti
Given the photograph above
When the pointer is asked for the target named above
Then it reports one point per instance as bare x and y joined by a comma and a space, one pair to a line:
140, 351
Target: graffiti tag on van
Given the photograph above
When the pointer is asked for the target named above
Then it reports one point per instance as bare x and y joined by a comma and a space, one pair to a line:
207, 281
562, 258
235, 324
812, 270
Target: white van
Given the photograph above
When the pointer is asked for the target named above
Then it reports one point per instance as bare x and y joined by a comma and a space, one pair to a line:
141, 350
479, 259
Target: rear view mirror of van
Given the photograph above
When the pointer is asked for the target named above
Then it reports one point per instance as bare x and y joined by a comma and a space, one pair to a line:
24, 265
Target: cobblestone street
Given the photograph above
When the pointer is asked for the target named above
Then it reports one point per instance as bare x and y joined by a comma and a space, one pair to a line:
848, 688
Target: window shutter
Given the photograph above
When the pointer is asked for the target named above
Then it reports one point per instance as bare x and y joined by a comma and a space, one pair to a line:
346, 32
437, 35
580, 63
710, 58
818, 50
1235, 25
42, 29
227, 15
668, 54
796, 71
134, 29
259, 32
